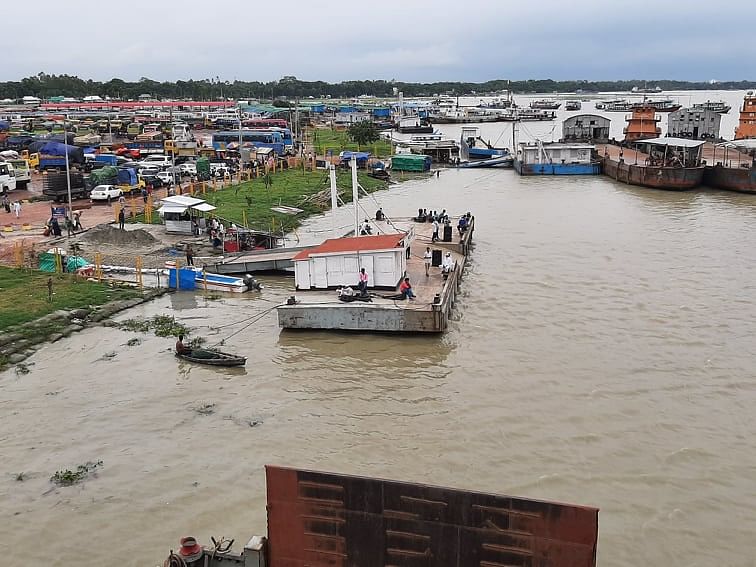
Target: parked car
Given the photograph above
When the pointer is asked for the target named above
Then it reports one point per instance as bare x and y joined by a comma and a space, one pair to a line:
105, 192
188, 169
159, 161
153, 180
166, 177
152, 171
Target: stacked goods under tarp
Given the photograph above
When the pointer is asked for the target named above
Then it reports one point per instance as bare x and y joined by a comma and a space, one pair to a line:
57, 149
55, 185
107, 175
203, 169
127, 176
411, 162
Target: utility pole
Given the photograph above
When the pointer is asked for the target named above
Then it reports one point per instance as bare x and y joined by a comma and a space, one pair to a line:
68, 171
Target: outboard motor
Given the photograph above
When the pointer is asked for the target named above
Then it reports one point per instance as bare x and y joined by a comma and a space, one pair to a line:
252, 283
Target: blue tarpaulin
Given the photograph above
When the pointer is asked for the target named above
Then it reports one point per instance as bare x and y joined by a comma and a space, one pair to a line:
75, 154
381, 112
361, 157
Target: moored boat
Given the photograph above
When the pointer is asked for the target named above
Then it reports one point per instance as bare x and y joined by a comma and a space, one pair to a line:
747, 121
714, 105
742, 179
668, 163
572, 105
555, 158
545, 104
212, 357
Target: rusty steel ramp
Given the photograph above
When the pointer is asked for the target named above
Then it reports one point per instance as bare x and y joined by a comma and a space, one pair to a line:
321, 519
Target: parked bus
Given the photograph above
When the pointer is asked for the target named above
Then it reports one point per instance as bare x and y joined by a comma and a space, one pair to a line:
256, 123
258, 138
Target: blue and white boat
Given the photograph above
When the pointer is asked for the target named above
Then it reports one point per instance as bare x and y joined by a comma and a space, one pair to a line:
210, 281
556, 158
473, 147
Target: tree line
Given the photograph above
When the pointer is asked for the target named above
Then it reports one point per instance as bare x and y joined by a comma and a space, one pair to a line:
46, 86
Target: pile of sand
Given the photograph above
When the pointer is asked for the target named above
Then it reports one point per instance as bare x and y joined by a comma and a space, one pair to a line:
106, 234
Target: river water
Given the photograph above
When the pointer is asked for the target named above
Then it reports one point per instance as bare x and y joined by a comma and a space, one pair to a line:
602, 353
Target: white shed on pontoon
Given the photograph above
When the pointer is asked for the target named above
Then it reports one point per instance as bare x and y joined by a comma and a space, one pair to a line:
337, 262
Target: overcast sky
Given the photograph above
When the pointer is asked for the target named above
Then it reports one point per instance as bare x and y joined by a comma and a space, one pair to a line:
407, 40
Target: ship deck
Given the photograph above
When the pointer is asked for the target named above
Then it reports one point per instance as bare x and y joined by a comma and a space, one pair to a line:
429, 312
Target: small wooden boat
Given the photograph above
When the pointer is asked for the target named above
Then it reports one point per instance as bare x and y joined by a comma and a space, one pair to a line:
213, 358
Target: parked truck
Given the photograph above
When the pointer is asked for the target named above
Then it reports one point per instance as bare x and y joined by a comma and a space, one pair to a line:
56, 186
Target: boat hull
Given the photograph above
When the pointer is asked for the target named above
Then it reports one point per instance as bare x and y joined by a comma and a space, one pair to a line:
731, 178
416, 129
486, 153
222, 359
557, 168
670, 178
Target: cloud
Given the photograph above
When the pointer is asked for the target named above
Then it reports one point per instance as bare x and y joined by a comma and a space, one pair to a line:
410, 40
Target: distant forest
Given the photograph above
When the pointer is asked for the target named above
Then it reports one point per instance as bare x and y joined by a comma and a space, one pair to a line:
45, 86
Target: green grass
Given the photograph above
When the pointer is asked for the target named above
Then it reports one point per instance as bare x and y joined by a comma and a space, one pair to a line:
338, 141
289, 188
23, 295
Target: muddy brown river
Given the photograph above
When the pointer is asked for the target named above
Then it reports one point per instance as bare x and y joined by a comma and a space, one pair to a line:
602, 353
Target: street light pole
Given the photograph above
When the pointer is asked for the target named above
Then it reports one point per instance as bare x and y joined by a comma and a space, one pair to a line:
68, 171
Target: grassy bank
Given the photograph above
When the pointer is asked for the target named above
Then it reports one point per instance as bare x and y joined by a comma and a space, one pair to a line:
24, 295
338, 141
291, 187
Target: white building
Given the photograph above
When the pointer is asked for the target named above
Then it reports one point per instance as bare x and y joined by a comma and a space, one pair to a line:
179, 211
337, 262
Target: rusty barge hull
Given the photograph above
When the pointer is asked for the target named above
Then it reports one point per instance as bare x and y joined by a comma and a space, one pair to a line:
669, 178
731, 178
320, 519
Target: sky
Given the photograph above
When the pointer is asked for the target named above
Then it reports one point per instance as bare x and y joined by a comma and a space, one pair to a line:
409, 40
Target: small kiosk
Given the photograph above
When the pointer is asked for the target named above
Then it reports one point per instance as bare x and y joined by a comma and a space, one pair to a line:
180, 212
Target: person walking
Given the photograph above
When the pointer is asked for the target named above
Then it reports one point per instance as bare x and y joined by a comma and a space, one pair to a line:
77, 221
17, 208
6, 204
435, 230
189, 255
69, 227
121, 218
427, 257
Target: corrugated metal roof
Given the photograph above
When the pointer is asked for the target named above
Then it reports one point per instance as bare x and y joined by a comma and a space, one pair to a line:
669, 141
354, 244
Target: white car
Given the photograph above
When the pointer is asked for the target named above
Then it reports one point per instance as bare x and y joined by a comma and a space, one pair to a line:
166, 177
188, 169
105, 192
159, 161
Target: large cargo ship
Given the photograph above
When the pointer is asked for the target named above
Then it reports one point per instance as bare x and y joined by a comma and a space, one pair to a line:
667, 163
747, 122
321, 519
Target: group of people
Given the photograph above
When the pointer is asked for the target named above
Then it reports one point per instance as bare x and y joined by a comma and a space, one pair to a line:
216, 230
72, 225
447, 264
15, 206
426, 215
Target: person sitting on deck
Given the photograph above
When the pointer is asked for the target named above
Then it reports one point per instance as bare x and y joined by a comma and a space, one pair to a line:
366, 229
406, 289
181, 348
462, 225
379, 214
